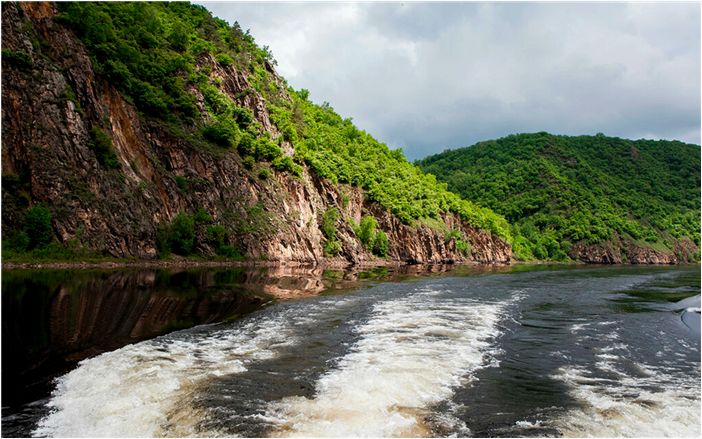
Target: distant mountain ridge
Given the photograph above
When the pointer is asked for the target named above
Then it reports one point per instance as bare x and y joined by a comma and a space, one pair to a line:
589, 198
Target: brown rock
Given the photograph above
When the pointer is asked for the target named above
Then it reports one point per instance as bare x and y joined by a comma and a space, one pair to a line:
49, 109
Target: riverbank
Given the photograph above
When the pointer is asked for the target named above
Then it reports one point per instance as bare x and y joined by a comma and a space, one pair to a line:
197, 263
334, 264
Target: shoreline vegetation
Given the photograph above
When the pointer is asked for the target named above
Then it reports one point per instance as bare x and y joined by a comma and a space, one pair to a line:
197, 263
211, 263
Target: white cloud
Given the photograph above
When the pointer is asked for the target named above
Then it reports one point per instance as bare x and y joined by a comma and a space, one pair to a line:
426, 76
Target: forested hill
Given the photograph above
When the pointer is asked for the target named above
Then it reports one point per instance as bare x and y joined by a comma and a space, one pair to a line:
150, 129
594, 198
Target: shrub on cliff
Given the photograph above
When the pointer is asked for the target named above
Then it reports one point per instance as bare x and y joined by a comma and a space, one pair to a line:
218, 238
177, 237
247, 145
266, 149
202, 217
181, 182
376, 241
366, 231
222, 134
182, 234
163, 244
242, 116
286, 164
332, 246
463, 247
216, 235
21, 60
37, 227
101, 144
380, 244
224, 59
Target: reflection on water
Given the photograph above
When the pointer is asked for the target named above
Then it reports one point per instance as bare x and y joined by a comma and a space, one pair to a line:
510, 351
51, 319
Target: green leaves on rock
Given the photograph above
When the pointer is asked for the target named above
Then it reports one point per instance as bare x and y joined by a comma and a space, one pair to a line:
37, 227
330, 218
101, 144
376, 241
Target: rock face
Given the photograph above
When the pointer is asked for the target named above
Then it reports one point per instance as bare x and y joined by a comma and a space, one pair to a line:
618, 252
51, 101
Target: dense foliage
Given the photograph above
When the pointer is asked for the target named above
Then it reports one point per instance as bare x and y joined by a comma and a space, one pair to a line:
332, 245
559, 190
160, 55
372, 239
150, 50
335, 149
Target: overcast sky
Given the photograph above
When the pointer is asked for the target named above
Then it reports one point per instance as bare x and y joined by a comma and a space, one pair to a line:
431, 76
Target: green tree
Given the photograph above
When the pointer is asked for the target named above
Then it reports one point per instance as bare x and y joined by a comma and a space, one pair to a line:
380, 244
37, 226
216, 235
366, 231
182, 234
330, 218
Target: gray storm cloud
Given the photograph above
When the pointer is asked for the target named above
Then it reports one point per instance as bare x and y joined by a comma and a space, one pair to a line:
431, 76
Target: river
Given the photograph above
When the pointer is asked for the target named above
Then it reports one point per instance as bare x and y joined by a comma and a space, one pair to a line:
515, 351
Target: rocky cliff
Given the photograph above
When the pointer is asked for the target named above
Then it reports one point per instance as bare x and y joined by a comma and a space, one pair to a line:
627, 251
52, 98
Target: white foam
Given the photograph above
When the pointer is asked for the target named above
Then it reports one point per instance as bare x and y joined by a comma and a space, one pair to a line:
142, 390
411, 354
577, 327
528, 424
607, 361
628, 408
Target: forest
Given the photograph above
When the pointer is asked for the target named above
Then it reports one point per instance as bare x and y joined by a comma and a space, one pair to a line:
560, 190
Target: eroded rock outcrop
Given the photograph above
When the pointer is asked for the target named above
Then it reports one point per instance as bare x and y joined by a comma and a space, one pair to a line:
50, 104
625, 251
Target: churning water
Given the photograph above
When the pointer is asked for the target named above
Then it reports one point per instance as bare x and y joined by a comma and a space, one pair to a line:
572, 352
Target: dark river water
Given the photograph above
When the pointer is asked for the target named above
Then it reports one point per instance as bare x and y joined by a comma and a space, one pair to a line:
517, 351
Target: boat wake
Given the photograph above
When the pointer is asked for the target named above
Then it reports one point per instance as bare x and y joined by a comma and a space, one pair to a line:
411, 354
